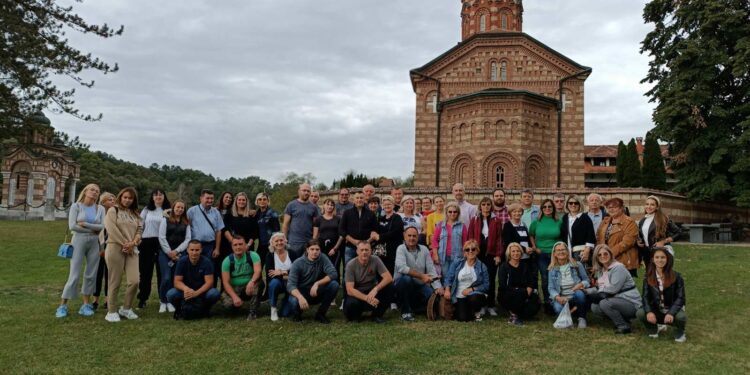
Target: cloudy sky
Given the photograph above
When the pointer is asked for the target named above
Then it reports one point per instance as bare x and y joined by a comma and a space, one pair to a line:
267, 87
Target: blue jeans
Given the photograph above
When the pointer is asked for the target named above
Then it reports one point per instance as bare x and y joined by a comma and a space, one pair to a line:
410, 293
167, 274
207, 249
578, 299
542, 261
175, 296
276, 287
326, 294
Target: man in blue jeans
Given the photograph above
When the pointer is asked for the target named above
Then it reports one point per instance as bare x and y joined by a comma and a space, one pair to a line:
415, 276
312, 280
193, 278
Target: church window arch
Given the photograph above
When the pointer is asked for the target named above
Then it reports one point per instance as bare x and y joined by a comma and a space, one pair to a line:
482, 22
503, 21
493, 71
504, 71
499, 177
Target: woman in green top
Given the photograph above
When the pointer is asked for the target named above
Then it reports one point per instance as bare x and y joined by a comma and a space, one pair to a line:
544, 233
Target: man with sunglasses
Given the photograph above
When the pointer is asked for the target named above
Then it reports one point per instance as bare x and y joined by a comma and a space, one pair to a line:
343, 203
559, 200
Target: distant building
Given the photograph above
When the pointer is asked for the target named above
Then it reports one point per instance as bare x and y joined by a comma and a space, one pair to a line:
39, 176
600, 164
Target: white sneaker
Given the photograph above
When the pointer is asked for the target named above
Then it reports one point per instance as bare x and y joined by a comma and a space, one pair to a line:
582, 323
483, 311
112, 317
492, 311
661, 328
394, 306
342, 306
654, 335
333, 303
681, 339
162, 308
478, 317
274, 314
127, 314
170, 307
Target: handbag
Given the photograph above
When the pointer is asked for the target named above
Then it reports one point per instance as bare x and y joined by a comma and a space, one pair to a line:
439, 308
66, 248
564, 320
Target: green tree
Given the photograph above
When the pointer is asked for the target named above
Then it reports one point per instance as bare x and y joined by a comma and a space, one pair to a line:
621, 164
700, 68
631, 174
34, 50
654, 175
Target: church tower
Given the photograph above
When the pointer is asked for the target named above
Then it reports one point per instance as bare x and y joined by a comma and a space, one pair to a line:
490, 16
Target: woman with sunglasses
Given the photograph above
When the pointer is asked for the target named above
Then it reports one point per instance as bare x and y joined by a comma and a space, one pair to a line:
613, 293
517, 286
663, 296
448, 240
467, 284
577, 230
543, 234
567, 281
486, 230
619, 232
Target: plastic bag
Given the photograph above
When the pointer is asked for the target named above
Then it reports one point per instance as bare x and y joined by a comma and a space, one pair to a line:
564, 320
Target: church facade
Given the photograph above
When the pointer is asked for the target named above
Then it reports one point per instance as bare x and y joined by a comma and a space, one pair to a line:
500, 109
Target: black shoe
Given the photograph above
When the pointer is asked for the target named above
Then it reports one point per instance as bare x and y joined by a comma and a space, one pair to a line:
548, 310
322, 319
105, 306
141, 304
296, 317
378, 320
623, 331
95, 305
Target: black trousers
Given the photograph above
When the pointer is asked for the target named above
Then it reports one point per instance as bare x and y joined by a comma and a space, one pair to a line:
354, 307
148, 258
489, 262
465, 308
518, 302
101, 273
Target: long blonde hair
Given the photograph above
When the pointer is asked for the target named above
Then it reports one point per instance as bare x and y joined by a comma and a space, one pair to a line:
553, 261
82, 195
236, 211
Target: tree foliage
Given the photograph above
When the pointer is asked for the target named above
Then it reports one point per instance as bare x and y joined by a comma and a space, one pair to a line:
654, 175
354, 179
34, 49
700, 67
632, 173
621, 164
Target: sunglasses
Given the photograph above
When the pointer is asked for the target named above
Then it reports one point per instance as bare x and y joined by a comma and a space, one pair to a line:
471, 249
573, 204
602, 254
546, 206
452, 212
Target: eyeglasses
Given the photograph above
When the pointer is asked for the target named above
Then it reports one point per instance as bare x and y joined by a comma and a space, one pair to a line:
452, 212
470, 249
573, 204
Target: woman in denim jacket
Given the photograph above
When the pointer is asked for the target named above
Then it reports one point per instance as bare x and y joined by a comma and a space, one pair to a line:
467, 284
567, 280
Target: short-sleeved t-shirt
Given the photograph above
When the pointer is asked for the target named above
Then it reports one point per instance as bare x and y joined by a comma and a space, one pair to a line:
243, 272
302, 215
194, 276
365, 277
546, 232
327, 229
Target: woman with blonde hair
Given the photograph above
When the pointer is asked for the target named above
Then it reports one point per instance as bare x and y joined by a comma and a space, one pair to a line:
467, 284
566, 283
123, 225
448, 239
176, 233
106, 200
278, 264
85, 219
518, 292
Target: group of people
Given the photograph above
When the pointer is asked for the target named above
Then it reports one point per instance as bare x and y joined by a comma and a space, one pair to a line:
392, 252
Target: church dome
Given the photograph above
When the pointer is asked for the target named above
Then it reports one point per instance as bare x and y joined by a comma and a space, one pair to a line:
490, 16
38, 118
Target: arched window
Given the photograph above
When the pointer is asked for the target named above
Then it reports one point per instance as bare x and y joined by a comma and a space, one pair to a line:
462, 173
493, 71
483, 23
499, 176
504, 71
504, 22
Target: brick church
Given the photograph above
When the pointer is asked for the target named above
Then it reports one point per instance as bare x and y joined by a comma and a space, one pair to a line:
500, 109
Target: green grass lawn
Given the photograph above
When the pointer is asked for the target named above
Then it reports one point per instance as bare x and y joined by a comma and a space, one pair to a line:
32, 340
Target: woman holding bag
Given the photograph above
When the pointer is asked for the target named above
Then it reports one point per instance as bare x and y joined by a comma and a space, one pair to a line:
85, 220
567, 281
123, 225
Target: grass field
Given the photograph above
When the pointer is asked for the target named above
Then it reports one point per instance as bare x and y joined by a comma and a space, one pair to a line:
32, 340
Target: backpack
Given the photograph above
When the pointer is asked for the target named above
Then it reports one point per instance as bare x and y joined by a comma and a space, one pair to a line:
439, 308
191, 309
248, 259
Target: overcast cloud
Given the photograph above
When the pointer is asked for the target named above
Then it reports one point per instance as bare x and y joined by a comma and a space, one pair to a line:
266, 87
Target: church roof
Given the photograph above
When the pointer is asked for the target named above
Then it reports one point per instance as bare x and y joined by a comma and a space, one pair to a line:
503, 35
496, 92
